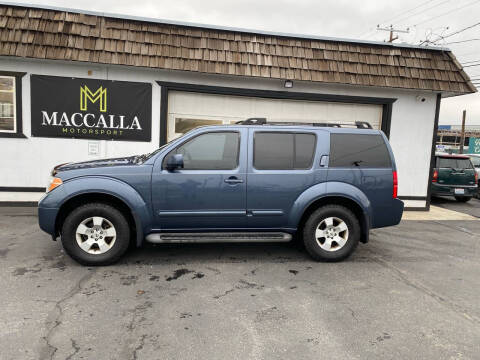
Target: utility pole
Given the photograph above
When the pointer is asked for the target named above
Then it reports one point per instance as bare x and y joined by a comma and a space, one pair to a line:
462, 139
392, 30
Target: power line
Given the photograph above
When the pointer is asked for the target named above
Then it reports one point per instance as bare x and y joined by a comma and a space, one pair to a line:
421, 12
405, 12
469, 62
469, 53
447, 13
472, 65
460, 42
461, 30
451, 34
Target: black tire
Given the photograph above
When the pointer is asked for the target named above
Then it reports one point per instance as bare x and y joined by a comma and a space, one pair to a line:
90, 210
313, 246
463, 198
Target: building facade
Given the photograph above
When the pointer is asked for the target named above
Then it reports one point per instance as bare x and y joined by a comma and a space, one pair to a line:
78, 86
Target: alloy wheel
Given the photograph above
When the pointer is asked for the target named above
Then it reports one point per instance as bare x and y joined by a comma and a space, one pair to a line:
331, 234
96, 235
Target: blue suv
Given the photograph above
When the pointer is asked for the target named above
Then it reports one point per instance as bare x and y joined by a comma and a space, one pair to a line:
260, 183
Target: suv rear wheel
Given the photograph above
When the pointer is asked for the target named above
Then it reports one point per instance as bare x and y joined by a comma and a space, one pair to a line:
331, 233
95, 234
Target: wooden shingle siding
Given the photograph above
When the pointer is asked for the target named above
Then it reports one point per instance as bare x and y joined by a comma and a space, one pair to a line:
62, 35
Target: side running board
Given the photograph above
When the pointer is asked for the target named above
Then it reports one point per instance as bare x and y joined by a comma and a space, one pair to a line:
212, 237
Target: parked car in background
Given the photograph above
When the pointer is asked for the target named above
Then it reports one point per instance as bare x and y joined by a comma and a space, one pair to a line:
454, 175
228, 184
475, 159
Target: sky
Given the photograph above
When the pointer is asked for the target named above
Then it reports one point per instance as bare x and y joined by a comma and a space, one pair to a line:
425, 20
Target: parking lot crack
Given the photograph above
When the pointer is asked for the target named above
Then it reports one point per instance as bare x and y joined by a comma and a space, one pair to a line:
54, 319
76, 349
403, 277
139, 347
138, 316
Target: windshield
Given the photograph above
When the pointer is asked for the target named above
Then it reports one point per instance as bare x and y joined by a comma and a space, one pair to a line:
454, 163
145, 157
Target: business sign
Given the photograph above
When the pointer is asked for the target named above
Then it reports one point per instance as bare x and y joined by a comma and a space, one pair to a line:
90, 108
444, 127
474, 145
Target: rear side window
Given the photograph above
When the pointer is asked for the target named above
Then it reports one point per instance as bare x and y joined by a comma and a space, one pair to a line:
454, 163
359, 150
475, 161
283, 151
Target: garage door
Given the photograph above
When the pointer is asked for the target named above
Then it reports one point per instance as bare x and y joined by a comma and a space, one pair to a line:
187, 110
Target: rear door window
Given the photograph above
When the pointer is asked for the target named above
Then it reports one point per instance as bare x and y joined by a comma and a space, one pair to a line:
359, 150
283, 150
453, 163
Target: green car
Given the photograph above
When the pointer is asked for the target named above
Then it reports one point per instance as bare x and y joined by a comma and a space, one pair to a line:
454, 175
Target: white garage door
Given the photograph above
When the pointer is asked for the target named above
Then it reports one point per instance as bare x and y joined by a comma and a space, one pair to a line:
188, 110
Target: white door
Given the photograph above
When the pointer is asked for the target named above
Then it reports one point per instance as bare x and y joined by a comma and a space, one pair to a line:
187, 110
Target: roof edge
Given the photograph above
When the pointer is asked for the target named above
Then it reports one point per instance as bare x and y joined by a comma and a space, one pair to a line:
222, 28
462, 72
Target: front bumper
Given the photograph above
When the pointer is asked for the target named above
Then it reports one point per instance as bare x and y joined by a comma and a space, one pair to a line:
449, 190
48, 208
46, 220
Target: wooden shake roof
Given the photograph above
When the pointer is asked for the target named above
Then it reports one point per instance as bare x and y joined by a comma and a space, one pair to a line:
65, 34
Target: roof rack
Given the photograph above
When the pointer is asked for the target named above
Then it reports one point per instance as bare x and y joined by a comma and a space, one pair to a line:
263, 121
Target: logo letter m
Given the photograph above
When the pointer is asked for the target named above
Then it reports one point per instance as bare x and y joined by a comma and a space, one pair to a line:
87, 95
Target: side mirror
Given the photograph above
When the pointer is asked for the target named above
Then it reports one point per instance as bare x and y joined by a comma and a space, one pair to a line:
175, 162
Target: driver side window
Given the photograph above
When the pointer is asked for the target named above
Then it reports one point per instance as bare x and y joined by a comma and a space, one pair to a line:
210, 151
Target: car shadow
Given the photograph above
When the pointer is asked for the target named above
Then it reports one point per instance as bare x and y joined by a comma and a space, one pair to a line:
294, 251
221, 252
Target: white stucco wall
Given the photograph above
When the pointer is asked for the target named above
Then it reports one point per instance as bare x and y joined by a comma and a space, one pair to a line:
27, 162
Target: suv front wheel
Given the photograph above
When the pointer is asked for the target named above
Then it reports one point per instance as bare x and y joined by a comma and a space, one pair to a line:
331, 233
95, 234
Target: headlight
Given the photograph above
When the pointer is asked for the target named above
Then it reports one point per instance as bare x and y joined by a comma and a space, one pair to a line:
53, 183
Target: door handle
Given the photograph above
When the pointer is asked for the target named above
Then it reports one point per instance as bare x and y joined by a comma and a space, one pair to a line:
233, 180
324, 161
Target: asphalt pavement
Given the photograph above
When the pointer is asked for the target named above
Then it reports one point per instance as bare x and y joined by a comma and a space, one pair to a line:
471, 207
411, 293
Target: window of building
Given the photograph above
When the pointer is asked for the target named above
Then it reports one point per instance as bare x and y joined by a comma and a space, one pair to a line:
210, 151
11, 104
183, 125
283, 151
7, 104
355, 150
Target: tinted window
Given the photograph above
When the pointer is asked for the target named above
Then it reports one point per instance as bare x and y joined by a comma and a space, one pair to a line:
283, 151
455, 163
355, 150
304, 150
475, 161
211, 151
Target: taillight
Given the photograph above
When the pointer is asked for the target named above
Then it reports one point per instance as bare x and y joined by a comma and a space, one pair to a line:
395, 185
435, 176
476, 177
